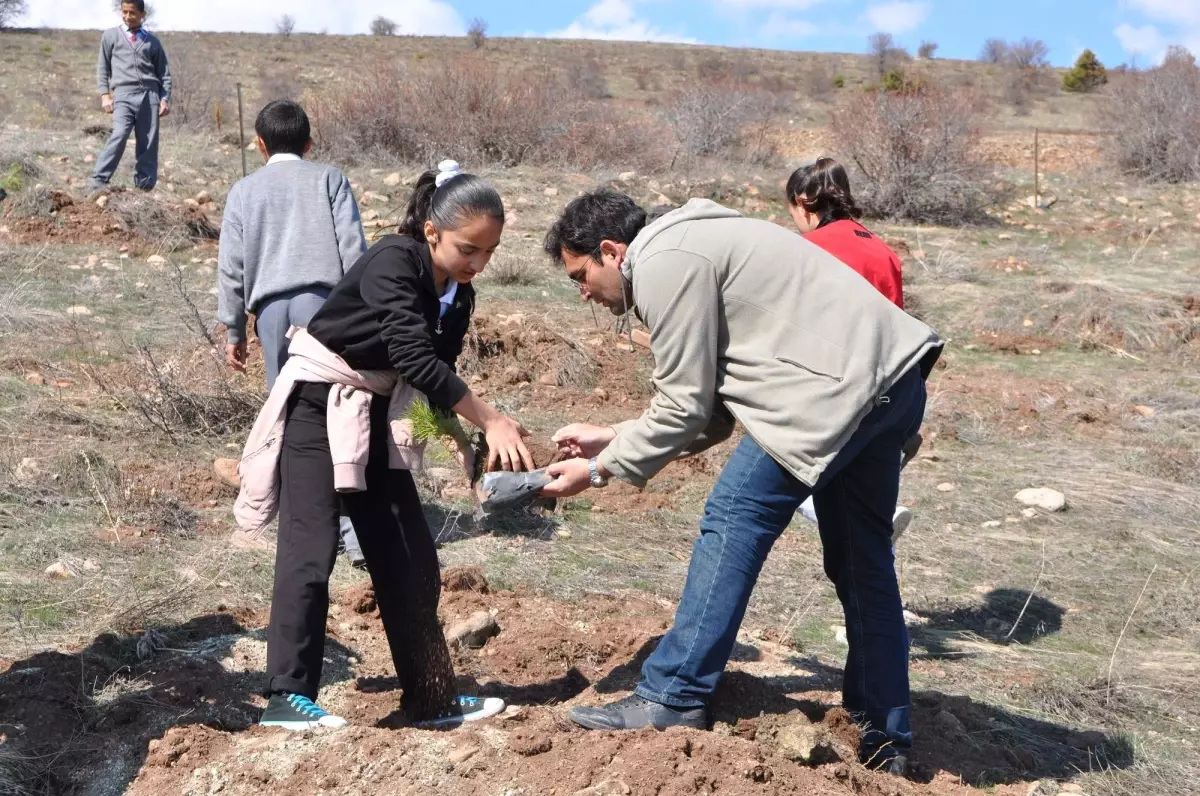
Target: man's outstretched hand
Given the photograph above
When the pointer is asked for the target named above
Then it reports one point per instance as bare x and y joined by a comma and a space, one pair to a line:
235, 356
583, 440
570, 476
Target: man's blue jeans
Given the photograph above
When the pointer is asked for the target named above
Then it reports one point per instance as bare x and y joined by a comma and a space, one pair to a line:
753, 501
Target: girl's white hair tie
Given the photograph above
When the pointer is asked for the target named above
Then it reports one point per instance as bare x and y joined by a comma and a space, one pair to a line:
447, 170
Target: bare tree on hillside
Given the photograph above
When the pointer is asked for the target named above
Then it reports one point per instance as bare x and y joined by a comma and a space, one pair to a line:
885, 54
927, 50
382, 26
995, 51
285, 25
1155, 117
10, 10
1029, 54
477, 33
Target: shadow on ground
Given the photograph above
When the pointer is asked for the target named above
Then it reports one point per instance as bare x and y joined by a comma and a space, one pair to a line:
998, 620
87, 718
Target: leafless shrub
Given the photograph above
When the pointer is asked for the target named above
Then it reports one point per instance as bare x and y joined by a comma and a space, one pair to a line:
646, 79
723, 119
382, 26
884, 53
1029, 54
722, 69
161, 223
483, 113
195, 87
35, 201
819, 84
927, 50
283, 84
995, 51
10, 10
477, 33
915, 153
1155, 118
586, 76
513, 270
285, 25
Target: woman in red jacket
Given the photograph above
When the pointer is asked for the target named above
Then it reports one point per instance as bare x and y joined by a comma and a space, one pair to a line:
823, 208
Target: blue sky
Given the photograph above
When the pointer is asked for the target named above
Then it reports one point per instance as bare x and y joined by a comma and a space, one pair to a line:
1116, 29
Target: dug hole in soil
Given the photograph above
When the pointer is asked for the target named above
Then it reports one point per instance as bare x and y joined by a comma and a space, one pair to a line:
174, 713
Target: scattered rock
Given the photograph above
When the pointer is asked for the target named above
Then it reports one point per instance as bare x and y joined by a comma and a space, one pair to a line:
548, 379
60, 571
192, 203
609, 787
102, 201
474, 632
626, 176
1122, 200
803, 742
563, 533
92, 261
392, 180
462, 753
1029, 514
370, 215
1070, 787
204, 197
227, 471
156, 259
35, 379
528, 743
946, 487
839, 635
465, 578
991, 524
1144, 411
1046, 499
27, 469
78, 310
89, 565
600, 393
89, 158
1109, 251
550, 192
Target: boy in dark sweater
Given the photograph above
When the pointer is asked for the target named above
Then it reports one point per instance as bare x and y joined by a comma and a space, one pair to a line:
134, 79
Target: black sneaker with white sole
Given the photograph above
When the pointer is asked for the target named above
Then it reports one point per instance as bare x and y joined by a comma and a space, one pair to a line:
634, 712
297, 713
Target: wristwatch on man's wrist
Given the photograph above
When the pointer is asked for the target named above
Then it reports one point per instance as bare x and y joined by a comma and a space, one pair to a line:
598, 481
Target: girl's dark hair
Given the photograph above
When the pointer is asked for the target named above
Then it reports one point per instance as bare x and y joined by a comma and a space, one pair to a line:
824, 189
459, 200
591, 219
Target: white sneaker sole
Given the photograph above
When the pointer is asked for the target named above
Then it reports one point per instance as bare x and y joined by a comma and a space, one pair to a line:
900, 522
492, 706
327, 722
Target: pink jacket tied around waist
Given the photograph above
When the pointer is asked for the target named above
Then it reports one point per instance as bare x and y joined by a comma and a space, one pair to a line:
348, 421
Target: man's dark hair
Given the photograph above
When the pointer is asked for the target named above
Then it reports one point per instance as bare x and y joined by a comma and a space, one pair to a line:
283, 127
140, 5
592, 218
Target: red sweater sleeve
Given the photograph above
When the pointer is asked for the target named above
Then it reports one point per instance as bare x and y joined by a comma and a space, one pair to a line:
854, 245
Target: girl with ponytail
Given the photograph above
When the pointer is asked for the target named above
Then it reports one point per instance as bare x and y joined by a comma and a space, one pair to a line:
824, 211
823, 208
404, 308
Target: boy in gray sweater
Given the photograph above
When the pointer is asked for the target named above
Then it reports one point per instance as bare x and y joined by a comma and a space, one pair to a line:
291, 231
134, 80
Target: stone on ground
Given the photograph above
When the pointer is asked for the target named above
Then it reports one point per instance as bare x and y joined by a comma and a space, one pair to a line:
1042, 498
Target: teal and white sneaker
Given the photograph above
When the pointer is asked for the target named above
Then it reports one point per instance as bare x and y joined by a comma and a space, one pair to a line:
468, 709
295, 712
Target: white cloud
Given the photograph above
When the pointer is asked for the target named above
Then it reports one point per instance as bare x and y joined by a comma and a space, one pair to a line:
779, 26
615, 20
1183, 12
428, 17
783, 5
897, 17
1145, 41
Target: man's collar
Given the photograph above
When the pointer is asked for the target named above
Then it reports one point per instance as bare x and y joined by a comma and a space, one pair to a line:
282, 157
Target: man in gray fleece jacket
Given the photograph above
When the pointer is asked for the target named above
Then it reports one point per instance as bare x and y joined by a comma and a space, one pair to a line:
750, 322
134, 80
